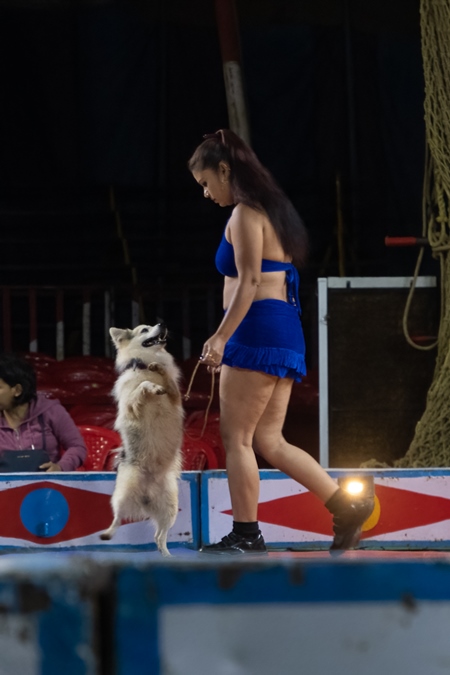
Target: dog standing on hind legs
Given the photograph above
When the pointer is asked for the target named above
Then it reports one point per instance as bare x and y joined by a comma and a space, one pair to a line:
150, 421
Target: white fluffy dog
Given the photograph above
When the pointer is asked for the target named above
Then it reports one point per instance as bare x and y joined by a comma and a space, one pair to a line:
150, 422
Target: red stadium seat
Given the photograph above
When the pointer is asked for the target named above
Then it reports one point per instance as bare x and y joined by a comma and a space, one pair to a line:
201, 386
96, 415
90, 375
89, 362
194, 426
65, 396
99, 442
198, 454
39, 360
111, 461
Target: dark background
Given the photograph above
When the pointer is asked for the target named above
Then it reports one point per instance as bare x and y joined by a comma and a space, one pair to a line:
104, 101
102, 104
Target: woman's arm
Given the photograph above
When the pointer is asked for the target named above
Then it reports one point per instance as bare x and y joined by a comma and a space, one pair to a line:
69, 437
245, 230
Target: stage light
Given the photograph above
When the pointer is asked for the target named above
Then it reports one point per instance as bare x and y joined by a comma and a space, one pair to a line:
354, 487
360, 487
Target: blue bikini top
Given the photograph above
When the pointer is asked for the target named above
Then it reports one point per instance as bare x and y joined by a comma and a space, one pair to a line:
226, 265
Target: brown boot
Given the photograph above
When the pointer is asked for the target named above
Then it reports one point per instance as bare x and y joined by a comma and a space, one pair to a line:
349, 514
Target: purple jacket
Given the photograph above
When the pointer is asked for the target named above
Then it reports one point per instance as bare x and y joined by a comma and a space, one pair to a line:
64, 442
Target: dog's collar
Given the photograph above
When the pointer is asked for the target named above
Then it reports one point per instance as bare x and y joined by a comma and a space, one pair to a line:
134, 363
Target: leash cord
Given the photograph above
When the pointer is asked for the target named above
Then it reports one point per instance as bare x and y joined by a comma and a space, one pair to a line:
211, 395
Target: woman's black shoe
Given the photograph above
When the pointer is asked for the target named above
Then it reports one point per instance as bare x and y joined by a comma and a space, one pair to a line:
349, 514
234, 544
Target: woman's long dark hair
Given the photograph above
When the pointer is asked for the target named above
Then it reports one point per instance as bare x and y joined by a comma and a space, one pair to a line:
15, 370
252, 184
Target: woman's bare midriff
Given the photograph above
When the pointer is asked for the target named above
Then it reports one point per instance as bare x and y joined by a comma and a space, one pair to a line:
272, 286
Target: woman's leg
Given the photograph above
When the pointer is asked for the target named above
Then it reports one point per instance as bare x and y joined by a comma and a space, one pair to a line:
348, 513
244, 395
296, 463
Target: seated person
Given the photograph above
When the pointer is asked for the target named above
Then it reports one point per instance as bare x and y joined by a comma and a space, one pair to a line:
31, 422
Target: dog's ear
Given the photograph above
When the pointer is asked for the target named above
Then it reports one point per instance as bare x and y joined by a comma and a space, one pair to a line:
118, 335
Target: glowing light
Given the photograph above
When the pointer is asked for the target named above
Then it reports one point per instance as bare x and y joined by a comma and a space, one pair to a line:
354, 487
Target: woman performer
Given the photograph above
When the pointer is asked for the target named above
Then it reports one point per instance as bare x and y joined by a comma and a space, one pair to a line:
259, 344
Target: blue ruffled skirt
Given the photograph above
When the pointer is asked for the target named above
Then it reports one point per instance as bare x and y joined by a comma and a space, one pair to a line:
269, 339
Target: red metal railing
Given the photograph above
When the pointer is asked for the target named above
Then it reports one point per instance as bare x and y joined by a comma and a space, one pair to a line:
67, 301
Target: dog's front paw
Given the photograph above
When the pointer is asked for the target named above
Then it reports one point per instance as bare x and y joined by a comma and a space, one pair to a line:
156, 368
150, 388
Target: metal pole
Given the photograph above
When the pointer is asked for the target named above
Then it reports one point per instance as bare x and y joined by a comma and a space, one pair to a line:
227, 24
7, 328
59, 325
33, 345
322, 292
351, 127
86, 318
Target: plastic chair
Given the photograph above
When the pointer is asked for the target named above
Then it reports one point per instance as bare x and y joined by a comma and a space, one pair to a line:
201, 386
94, 415
99, 442
64, 396
194, 426
39, 359
87, 393
88, 362
198, 454
73, 375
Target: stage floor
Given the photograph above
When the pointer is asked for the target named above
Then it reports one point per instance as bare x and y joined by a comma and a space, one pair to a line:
186, 555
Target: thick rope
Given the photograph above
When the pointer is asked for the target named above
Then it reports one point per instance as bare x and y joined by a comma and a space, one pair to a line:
431, 443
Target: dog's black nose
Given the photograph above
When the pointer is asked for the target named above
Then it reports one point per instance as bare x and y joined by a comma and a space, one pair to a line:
162, 330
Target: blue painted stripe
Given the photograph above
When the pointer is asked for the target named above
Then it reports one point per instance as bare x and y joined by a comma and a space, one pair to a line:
274, 474
77, 477
390, 473
365, 545
66, 634
98, 547
136, 626
194, 480
265, 474
292, 582
204, 505
62, 613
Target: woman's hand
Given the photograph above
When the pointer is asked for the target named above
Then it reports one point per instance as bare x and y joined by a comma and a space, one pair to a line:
50, 466
212, 352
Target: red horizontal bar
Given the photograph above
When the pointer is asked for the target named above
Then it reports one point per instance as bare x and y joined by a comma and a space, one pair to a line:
405, 241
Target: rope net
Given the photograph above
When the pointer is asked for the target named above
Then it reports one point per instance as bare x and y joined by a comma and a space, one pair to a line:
430, 446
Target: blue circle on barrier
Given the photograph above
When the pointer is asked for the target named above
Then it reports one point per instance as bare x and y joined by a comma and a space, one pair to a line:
44, 512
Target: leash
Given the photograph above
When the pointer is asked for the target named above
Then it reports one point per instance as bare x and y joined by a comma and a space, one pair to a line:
188, 393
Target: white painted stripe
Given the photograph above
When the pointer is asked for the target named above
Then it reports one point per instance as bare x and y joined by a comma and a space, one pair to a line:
310, 638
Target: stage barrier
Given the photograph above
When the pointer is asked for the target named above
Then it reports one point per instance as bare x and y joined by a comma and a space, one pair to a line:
412, 510
70, 510
262, 618
50, 615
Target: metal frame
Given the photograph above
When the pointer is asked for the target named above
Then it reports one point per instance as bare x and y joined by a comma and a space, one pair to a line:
345, 283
